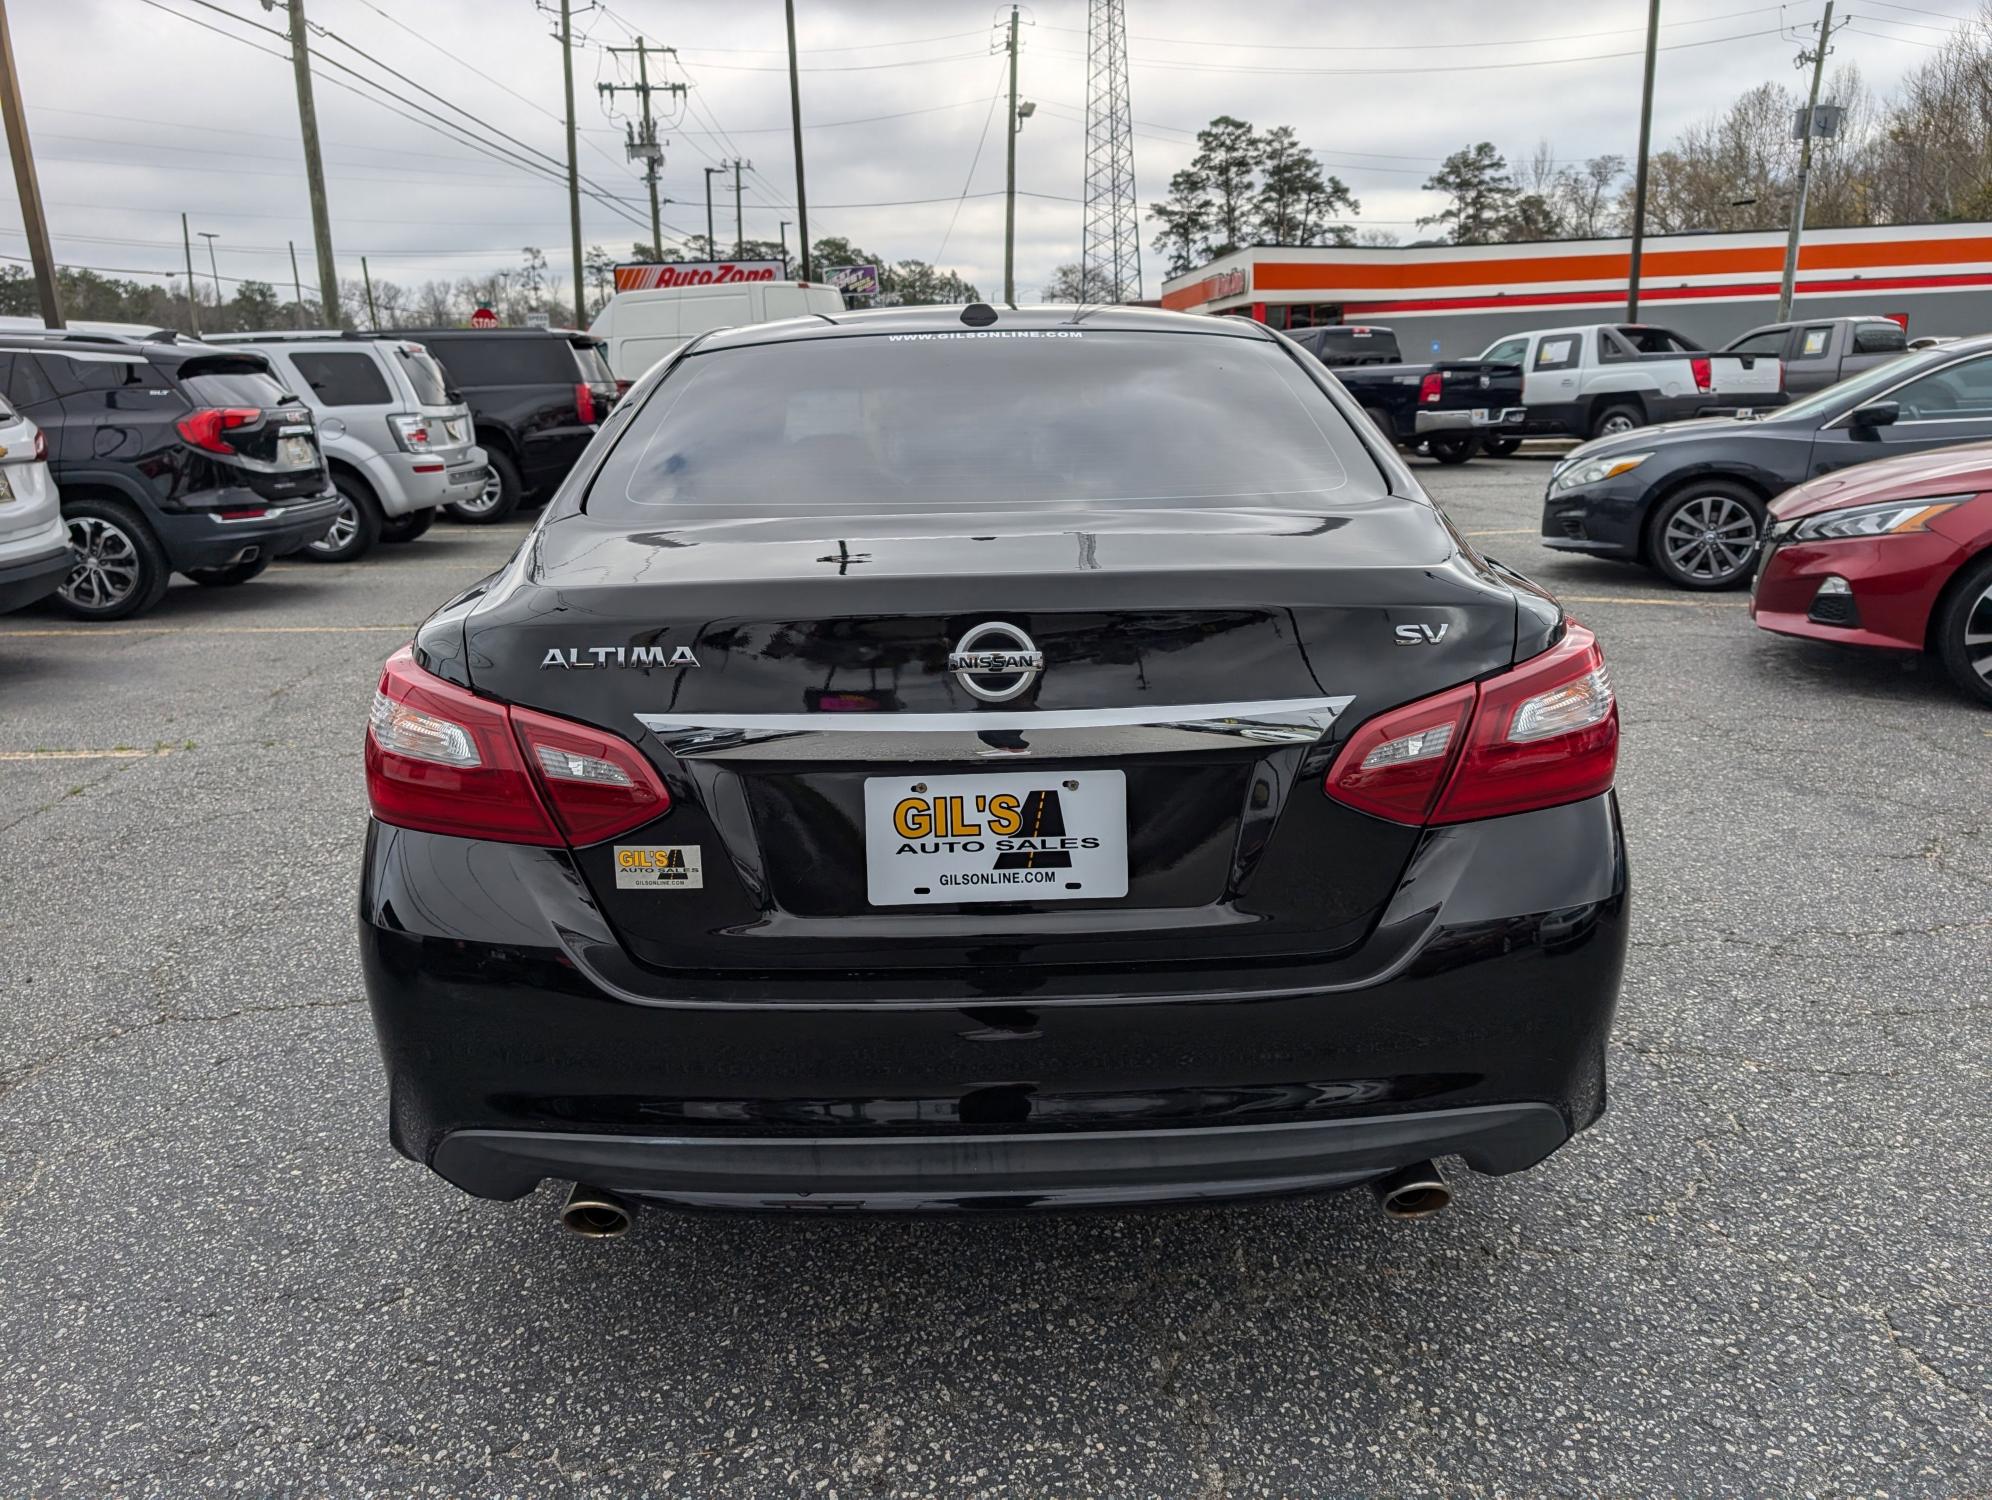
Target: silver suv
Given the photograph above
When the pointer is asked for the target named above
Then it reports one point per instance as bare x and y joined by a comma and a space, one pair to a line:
397, 439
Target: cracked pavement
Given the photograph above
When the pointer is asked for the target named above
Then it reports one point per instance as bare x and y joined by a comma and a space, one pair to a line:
1766, 1270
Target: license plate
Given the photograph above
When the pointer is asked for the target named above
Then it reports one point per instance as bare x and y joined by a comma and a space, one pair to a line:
297, 452
1031, 836
1480, 417
454, 427
6, 487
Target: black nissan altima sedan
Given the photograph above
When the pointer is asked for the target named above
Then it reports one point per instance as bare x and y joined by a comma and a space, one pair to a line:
975, 759
1690, 499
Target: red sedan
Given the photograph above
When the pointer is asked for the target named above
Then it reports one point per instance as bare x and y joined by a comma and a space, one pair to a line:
1895, 554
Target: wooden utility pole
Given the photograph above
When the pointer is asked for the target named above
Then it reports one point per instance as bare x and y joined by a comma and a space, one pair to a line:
193, 307
297, 284
1639, 177
366, 278
739, 219
644, 145
795, 115
1817, 57
25, 183
314, 169
712, 245
573, 164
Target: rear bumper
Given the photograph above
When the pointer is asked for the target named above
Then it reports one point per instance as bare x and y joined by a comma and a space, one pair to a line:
26, 580
1478, 419
939, 1172
201, 539
520, 1042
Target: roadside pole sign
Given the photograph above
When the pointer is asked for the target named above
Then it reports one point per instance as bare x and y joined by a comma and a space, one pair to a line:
539, 320
484, 317
853, 281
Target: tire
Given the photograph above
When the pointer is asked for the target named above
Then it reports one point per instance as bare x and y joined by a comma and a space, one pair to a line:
407, 528
1501, 447
354, 530
230, 576
1384, 425
1616, 421
1964, 631
1705, 536
1453, 447
502, 494
121, 570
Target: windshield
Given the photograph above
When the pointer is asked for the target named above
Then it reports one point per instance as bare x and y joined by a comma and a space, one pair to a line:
426, 376
1846, 395
942, 422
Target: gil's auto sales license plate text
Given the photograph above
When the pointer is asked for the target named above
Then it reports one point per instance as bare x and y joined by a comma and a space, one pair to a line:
1033, 836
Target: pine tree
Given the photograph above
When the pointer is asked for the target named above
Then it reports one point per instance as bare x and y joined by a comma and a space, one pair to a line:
1483, 194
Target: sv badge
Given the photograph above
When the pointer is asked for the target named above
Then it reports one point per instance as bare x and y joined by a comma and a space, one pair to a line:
1422, 634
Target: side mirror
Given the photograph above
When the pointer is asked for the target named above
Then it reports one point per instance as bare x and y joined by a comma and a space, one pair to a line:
1875, 414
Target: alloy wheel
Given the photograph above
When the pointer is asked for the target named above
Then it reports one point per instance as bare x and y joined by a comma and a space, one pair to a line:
1978, 634
345, 526
107, 566
1616, 425
493, 491
1711, 538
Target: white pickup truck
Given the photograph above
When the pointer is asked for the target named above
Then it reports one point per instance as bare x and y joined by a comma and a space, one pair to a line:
1606, 378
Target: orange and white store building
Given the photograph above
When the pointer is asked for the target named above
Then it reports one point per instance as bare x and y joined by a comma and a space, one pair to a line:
1454, 300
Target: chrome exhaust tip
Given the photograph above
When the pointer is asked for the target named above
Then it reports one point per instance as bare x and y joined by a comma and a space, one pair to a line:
596, 1214
1414, 1192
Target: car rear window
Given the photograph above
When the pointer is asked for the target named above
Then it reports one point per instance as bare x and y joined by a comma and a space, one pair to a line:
502, 359
1042, 419
432, 386
594, 369
343, 379
231, 382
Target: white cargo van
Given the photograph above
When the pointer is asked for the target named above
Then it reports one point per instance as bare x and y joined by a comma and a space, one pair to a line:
641, 327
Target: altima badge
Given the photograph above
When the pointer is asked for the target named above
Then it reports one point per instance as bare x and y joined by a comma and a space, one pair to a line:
974, 663
587, 658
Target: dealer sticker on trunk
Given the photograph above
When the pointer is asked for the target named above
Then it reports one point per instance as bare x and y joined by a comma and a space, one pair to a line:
671, 867
1022, 836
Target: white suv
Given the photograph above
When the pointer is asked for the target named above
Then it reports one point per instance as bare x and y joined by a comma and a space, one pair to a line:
35, 555
398, 441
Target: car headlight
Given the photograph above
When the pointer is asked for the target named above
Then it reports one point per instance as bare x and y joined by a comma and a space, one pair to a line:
1596, 471
1890, 519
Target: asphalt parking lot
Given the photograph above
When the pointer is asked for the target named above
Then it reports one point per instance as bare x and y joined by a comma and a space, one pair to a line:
1766, 1271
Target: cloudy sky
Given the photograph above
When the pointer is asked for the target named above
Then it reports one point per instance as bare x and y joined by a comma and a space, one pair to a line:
141, 109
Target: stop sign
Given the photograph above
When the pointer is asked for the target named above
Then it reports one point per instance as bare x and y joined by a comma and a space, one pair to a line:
484, 317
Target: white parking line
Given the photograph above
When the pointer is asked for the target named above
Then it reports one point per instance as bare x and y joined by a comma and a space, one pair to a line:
85, 632
120, 754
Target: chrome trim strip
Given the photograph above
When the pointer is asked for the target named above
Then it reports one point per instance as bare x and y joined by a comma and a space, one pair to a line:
1059, 733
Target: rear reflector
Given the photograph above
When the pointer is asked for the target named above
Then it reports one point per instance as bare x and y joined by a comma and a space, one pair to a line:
443, 760
1538, 735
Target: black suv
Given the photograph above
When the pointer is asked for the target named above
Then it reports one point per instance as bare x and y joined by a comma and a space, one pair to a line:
536, 396
172, 457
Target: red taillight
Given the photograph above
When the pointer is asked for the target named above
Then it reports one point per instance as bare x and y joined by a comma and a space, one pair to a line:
41, 445
443, 760
622, 388
1429, 389
1704, 372
1541, 734
204, 428
584, 399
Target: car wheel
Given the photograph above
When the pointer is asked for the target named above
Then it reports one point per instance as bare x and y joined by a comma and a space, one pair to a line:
120, 569
1616, 421
1964, 631
1453, 448
407, 528
1706, 536
1501, 447
354, 530
230, 576
501, 496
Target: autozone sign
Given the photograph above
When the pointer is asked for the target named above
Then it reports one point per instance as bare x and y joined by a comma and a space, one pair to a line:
642, 276
1224, 284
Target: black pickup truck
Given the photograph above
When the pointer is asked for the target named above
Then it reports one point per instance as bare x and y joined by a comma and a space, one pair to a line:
1451, 408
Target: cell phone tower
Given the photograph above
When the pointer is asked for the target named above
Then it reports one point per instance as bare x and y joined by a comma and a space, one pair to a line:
1110, 245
